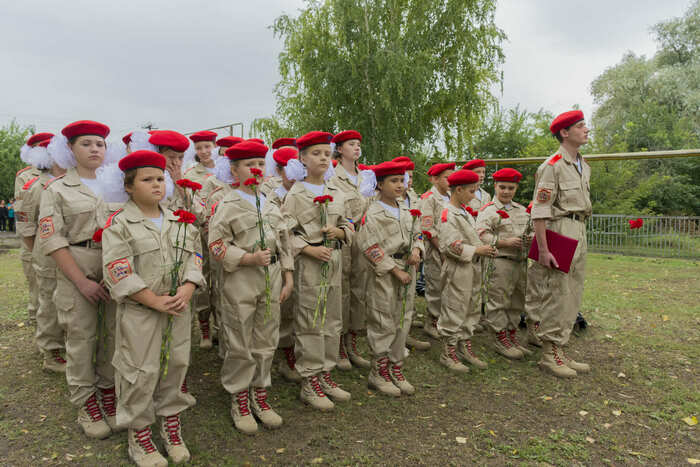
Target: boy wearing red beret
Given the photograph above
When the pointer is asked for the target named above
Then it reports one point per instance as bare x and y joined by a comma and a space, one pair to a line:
507, 280
460, 278
431, 204
481, 196
562, 204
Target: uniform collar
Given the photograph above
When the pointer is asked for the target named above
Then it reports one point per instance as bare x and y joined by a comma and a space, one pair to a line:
567, 156
340, 172
72, 178
133, 214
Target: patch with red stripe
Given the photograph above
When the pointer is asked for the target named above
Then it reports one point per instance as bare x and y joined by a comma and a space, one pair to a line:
53, 180
374, 253
21, 171
485, 206
119, 269
426, 194
426, 222
22, 216
443, 216
46, 228
218, 248
109, 219
554, 159
29, 183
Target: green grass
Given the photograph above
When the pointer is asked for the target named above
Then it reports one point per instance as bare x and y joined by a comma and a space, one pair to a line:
643, 343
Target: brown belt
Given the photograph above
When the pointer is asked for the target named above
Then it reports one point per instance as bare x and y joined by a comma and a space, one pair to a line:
576, 216
88, 244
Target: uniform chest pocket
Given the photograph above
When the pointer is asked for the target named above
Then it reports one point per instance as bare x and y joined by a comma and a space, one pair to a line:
243, 224
310, 216
143, 245
335, 212
571, 195
74, 208
355, 206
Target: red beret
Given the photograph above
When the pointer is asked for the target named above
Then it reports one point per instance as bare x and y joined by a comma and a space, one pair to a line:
170, 139
364, 167
473, 164
406, 161
144, 158
279, 142
256, 140
507, 175
203, 136
565, 120
228, 141
463, 177
282, 156
312, 138
44, 143
126, 139
246, 150
38, 138
389, 168
85, 127
437, 169
346, 135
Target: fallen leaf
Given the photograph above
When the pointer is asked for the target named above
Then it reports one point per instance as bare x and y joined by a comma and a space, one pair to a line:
461, 440
590, 440
443, 405
691, 421
206, 374
608, 336
279, 450
117, 447
664, 317
20, 325
606, 425
24, 431
492, 433
621, 375
583, 413
42, 418
262, 458
546, 398
617, 413
693, 461
317, 460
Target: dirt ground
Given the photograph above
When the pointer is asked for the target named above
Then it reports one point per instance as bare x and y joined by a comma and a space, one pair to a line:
635, 408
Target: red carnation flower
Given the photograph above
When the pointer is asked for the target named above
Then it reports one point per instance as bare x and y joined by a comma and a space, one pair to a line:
251, 181
185, 217
187, 183
97, 236
470, 210
636, 223
323, 199
416, 212
427, 234
257, 172
529, 208
503, 214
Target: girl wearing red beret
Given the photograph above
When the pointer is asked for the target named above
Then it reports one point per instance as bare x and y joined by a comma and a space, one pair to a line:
315, 213
347, 179
72, 209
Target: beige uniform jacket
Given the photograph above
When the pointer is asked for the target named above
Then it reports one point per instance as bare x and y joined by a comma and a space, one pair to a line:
489, 224
199, 174
28, 220
210, 184
23, 176
431, 205
270, 184
355, 203
477, 203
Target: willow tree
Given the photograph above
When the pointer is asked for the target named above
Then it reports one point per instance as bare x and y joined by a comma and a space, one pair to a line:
405, 73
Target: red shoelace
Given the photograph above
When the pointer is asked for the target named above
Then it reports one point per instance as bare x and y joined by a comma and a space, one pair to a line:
172, 426
242, 400
261, 398
108, 402
143, 437
93, 409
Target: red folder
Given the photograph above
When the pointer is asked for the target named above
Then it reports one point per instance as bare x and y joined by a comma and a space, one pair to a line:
562, 247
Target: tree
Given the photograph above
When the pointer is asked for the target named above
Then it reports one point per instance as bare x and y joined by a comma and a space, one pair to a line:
404, 73
12, 137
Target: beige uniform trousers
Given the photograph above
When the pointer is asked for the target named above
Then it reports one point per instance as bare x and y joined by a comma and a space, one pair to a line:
355, 270
317, 344
431, 269
385, 336
27, 267
286, 334
49, 334
203, 299
560, 294
251, 336
506, 298
86, 369
460, 309
142, 392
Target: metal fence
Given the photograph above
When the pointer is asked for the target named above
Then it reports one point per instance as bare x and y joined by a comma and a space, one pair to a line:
661, 236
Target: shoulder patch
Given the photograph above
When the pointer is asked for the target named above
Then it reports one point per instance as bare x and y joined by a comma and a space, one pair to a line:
374, 253
53, 180
110, 218
554, 159
208, 175
443, 216
189, 170
485, 206
213, 207
426, 194
23, 170
29, 183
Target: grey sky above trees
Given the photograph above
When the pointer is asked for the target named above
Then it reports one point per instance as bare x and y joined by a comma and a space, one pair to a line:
188, 65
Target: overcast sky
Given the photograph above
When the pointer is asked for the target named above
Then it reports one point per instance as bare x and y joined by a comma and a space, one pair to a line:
187, 65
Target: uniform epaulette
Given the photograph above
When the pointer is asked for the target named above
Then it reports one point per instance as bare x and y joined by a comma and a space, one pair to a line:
213, 207
29, 183
426, 194
486, 205
109, 219
443, 216
188, 170
364, 216
23, 170
53, 180
554, 159
208, 175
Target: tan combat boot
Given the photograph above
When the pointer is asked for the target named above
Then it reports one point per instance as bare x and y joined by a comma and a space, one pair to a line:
513, 338
465, 352
380, 379
91, 420
413, 343
54, 362
351, 347
261, 409
400, 381
142, 450
449, 359
332, 390
240, 412
205, 341
108, 402
532, 338
313, 395
551, 362
343, 360
171, 434
576, 366
505, 347
430, 327
287, 367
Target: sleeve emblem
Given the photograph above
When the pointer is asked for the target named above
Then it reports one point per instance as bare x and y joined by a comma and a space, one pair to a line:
218, 249
426, 222
198, 260
374, 253
544, 195
119, 269
46, 227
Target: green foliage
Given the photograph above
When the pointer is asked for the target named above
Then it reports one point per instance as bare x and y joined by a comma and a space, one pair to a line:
404, 73
12, 137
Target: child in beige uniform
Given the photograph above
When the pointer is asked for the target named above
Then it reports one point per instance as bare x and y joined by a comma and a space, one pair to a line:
460, 278
250, 310
141, 244
317, 340
390, 239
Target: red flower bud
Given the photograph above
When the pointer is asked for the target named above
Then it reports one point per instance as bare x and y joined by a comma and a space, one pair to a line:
427, 234
257, 172
251, 181
503, 214
415, 212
